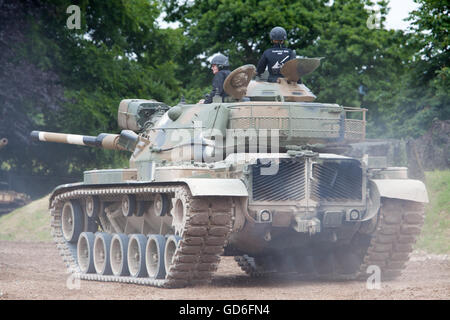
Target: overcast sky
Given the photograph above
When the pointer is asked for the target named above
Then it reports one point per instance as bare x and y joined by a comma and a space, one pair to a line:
399, 11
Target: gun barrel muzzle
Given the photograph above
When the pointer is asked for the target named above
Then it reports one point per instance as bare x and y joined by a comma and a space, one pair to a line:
103, 140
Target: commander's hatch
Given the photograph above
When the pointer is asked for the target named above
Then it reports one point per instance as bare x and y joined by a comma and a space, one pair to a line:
239, 84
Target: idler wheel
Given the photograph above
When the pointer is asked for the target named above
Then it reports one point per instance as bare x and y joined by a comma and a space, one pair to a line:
128, 205
136, 255
172, 243
154, 256
72, 221
85, 252
119, 254
102, 245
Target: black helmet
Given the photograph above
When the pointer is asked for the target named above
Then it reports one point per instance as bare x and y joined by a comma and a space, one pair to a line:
278, 33
220, 60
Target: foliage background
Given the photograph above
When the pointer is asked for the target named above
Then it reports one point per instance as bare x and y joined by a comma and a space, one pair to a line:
57, 79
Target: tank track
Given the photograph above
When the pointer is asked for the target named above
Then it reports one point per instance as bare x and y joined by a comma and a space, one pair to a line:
248, 265
205, 233
387, 246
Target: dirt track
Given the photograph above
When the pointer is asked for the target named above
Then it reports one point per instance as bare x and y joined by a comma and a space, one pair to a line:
35, 271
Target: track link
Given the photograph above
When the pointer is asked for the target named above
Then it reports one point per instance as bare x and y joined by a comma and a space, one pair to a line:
207, 225
248, 265
399, 224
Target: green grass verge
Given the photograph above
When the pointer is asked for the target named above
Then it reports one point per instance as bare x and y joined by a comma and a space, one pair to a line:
435, 236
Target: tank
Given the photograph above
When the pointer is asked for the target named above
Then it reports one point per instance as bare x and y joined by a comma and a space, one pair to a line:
10, 200
264, 176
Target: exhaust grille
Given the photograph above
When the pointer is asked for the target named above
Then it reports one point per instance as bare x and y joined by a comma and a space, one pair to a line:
287, 184
337, 180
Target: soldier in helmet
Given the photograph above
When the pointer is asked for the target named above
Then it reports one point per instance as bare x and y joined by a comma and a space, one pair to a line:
275, 57
219, 66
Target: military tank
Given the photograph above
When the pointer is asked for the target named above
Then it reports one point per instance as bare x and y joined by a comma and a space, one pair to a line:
264, 176
10, 200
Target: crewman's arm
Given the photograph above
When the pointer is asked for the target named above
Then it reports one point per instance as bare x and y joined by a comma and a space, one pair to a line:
262, 64
293, 55
216, 88
217, 83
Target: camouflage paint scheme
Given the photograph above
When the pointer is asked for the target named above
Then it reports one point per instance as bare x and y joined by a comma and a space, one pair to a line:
177, 147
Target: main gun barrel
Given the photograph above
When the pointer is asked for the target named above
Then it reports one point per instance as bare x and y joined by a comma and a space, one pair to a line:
103, 140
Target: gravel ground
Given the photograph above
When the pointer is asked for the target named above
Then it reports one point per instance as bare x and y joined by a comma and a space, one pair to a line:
35, 271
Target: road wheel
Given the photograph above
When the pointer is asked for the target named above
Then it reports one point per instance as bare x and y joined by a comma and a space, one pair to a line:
72, 221
119, 254
136, 255
128, 205
154, 256
171, 247
85, 252
102, 244
161, 204
92, 206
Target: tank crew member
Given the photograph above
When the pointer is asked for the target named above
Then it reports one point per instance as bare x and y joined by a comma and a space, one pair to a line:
275, 57
219, 66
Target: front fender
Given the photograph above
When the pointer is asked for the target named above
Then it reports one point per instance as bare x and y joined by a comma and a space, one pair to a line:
216, 187
403, 189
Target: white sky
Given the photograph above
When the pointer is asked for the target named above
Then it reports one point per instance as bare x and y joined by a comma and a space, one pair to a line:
399, 11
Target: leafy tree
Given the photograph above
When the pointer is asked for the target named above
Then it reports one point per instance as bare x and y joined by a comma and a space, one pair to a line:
27, 91
426, 87
78, 77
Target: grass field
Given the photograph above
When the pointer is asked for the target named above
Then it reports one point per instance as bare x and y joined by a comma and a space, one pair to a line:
435, 236
32, 222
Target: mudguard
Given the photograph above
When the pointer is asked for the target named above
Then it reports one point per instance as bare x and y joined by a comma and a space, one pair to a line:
403, 189
216, 187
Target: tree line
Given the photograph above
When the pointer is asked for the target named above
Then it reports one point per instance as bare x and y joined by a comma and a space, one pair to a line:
57, 78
